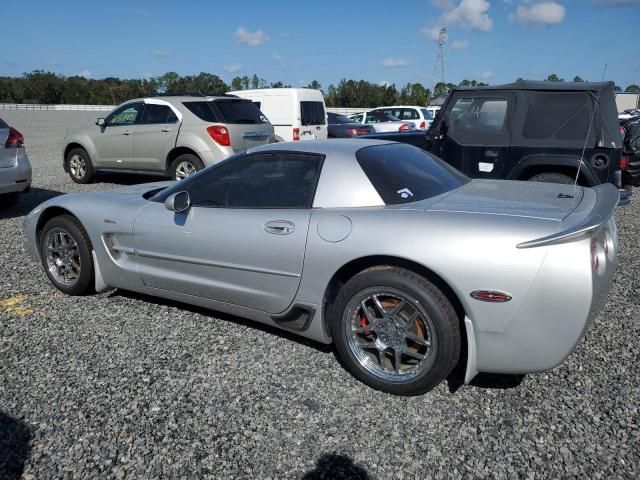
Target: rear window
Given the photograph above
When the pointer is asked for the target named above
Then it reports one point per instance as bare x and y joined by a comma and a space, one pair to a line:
240, 112
312, 113
335, 118
3, 124
562, 115
427, 114
404, 174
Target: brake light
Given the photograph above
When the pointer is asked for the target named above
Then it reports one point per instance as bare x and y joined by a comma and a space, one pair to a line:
404, 128
623, 132
624, 162
15, 139
423, 124
296, 134
220, 135
357, 131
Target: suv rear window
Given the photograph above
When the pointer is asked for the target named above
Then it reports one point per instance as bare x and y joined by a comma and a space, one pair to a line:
312, 113
202, 110
240, 111
404, 174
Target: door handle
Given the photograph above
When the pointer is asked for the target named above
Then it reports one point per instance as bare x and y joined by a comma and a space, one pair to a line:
127, 132
165, 129
279, 227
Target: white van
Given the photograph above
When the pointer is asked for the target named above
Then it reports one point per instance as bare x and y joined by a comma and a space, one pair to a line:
295, 113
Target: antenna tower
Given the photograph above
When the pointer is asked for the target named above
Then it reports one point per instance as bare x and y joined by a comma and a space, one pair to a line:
438, 68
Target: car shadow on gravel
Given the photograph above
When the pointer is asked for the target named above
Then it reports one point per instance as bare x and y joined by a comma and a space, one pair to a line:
126, 178
336, 465
497, 381
224, 316
15, 446
27, 202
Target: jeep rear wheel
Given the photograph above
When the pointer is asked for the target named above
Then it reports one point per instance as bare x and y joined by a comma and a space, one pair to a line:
552, 177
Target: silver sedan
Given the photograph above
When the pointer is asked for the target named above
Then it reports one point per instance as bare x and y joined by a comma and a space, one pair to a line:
402, 262
15, 169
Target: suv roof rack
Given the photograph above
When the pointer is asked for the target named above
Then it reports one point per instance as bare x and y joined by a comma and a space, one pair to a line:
180, 94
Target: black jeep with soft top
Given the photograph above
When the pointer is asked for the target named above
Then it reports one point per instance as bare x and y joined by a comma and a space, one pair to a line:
528, 130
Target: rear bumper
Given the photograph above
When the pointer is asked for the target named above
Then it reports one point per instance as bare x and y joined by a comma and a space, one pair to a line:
563, 301
16, 178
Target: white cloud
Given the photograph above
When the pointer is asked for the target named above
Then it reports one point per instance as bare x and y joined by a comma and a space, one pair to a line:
233, 68
394, 62
276, 57
251, 39
459, 44
539, 14
84, 73
432, 32
160, 53
486, 74
470, 14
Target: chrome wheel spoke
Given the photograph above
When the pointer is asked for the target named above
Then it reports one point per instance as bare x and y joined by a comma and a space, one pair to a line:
416, 339
376, 302
410, 353
397, 359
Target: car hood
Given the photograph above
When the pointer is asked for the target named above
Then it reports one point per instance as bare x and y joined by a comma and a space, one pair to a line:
547, 201
141, 189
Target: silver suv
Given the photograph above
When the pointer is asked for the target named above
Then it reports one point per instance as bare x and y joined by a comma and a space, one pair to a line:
171, 135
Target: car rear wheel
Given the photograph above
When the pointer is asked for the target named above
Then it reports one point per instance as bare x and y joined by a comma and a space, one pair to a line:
184, 166
79, 166
395, 331
552, 177
65, 250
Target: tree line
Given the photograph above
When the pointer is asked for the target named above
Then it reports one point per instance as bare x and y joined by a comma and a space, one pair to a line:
44, 87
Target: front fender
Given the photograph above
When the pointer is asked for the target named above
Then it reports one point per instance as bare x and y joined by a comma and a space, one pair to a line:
85, 141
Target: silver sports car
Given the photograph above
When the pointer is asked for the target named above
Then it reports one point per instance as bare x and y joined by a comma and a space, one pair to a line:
406, 265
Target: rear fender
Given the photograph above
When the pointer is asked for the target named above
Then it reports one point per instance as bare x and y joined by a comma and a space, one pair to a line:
550, 163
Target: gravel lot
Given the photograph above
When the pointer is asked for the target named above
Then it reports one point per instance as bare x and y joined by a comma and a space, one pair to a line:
123, 386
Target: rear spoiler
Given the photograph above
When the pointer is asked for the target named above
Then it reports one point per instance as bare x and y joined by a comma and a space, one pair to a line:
607, 197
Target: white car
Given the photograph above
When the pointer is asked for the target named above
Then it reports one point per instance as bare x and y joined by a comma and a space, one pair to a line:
382, 122
420, 117
295, 113
15, 169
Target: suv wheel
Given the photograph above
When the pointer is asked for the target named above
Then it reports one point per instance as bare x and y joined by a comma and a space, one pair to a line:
79, 166
184, 166
552, 177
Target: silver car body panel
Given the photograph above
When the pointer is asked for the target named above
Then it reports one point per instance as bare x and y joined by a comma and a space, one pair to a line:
15, 169
468, 238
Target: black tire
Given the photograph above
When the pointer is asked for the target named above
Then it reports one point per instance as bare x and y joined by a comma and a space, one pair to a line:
552, 177
80, 176
444, 328
85, 283
9, 199
189, 159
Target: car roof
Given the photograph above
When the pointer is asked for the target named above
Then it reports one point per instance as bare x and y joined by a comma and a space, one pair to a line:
544, 85
330, 147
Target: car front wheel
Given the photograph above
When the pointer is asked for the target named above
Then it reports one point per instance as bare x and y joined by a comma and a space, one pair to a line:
65, 250
395, 331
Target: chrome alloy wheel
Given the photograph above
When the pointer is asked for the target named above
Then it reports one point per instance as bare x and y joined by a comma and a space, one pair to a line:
390, 334
77, 166
63, 257
184, 170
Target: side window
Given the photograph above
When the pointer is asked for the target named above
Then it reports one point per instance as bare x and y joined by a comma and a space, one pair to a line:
277, 180
410, 114
153, 114
479, 114
125, 115
561, 115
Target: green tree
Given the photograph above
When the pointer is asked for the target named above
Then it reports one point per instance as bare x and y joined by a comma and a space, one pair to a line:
578, 78
633, 88
255, 81
554, 78
315, 85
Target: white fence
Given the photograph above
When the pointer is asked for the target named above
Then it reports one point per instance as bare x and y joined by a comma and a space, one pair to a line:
75, 108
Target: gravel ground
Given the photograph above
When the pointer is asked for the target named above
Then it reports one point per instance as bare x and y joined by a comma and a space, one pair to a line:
124, 386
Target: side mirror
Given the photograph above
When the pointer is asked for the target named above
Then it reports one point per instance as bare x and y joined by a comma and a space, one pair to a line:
100, 122
178, 202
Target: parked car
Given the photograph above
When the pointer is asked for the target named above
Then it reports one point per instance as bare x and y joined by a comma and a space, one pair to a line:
379, 247
528, 131
15, 169
382, 122
420, 117
341, 126
169, 135
296, 113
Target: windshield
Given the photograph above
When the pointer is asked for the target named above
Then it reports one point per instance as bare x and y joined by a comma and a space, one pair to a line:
402, 173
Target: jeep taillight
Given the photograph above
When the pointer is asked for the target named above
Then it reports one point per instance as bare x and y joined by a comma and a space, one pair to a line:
220, 135
624, 162
15, 139
296, 134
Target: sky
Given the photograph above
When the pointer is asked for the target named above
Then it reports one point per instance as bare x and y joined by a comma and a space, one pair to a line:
296, 42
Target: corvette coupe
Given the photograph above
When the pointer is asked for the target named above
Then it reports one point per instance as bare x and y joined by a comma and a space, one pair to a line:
402, 262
